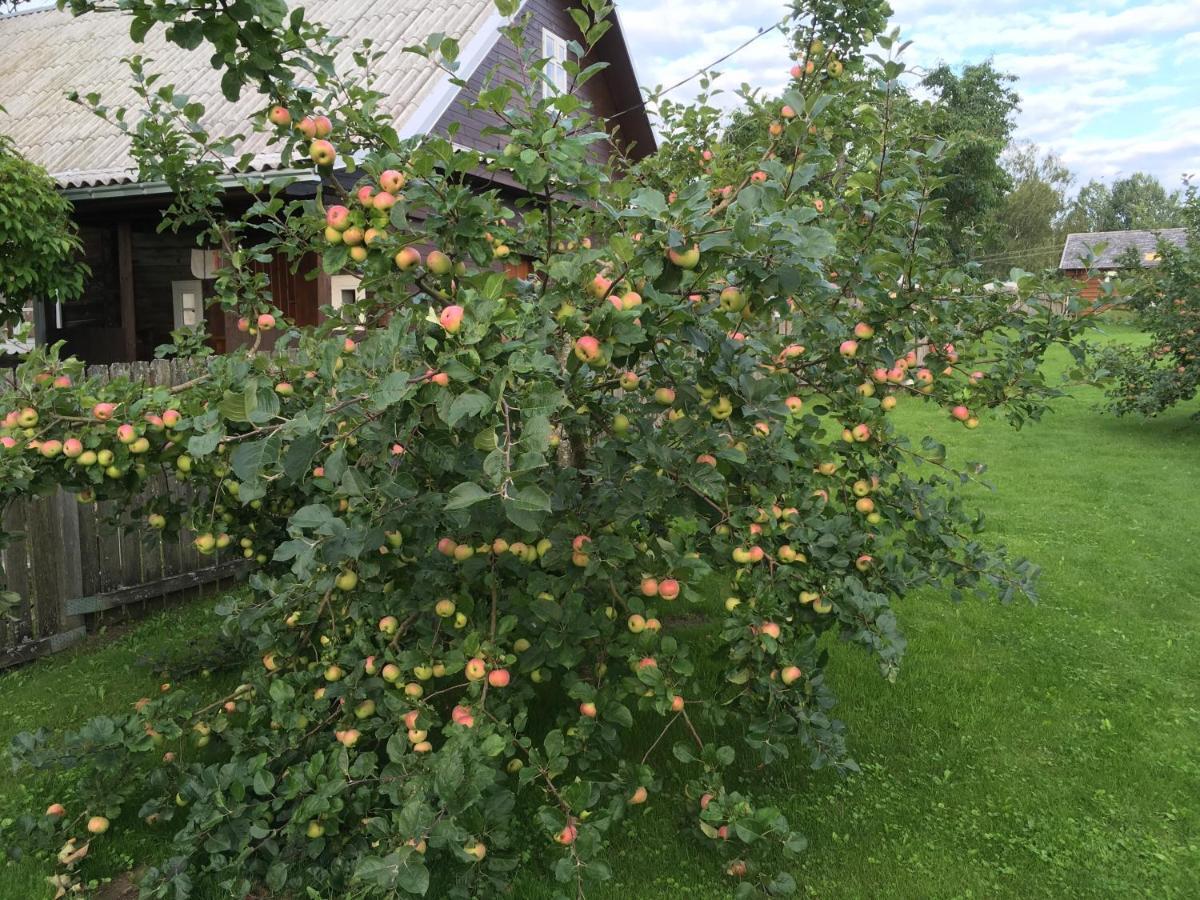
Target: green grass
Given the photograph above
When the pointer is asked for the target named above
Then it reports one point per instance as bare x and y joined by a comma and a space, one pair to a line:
105, 676
1026, 751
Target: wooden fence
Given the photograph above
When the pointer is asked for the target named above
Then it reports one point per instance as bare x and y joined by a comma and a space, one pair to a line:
80, 559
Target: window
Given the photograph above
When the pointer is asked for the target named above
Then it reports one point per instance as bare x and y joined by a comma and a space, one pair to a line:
554, 49
189, 304
346, 290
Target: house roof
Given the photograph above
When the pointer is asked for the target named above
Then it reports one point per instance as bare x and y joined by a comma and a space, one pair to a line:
48, 54
1079, 248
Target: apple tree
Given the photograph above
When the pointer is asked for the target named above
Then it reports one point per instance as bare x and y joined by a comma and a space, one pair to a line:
1165, 300
39, 247
487, 512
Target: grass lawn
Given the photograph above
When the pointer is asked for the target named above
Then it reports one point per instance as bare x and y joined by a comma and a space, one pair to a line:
1026, 751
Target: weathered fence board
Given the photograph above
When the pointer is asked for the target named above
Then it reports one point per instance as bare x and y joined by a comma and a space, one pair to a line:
16, 565
79, 559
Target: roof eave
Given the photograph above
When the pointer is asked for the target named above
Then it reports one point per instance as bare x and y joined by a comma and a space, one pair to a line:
123, 189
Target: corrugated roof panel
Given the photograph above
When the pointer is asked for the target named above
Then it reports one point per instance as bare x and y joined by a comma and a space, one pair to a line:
1110, 246
49, 53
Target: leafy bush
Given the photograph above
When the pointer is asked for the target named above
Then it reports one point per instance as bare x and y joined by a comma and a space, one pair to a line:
39, 249
483, 522
1166, 302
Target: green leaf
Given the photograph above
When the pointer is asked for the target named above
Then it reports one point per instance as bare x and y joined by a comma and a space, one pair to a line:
397, 747
310, 517
530, 499
297, 459
466, 494
236, 407
582, 22
391, 390
251, 459
264, 782
527, 507
470, 403
649, 202
683, 752
282, 693
188, 33
231, 84
200, 445
139, 27
493, 745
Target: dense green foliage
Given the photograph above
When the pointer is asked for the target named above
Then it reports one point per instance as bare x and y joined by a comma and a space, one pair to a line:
474, 520
1028, 229
39, 248
1166, 301
998, 765
973, 110
1138, 201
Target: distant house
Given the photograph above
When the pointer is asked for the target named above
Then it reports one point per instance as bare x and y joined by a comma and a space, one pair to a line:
1096, 256
146, 284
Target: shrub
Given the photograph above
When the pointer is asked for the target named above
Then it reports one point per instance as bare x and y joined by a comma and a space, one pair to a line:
1165, 300
39, 249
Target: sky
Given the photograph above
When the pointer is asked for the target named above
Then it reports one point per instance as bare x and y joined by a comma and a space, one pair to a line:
1112, 86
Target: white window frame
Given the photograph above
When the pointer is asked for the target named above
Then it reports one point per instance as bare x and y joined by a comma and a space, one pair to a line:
180, 290
556, 52
339, 285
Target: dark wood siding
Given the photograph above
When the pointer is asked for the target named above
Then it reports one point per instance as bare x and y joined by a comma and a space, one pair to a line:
504, 57
92, 326
158, 260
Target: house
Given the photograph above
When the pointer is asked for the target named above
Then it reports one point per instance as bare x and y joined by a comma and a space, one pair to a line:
1098, 255
145, 284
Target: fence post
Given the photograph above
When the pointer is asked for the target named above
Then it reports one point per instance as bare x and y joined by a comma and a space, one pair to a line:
72, 559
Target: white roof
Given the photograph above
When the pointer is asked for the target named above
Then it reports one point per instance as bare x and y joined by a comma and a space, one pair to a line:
48, 54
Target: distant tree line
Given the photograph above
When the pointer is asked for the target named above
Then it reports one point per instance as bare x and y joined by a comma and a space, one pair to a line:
1010, 204
1006, 203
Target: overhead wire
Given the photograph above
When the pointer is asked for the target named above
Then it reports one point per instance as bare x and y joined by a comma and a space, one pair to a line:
778, 26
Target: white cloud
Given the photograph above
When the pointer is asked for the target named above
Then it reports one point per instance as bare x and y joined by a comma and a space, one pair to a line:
672, 39
1106, 83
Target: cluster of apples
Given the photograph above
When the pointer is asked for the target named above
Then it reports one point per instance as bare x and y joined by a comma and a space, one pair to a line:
113, 447
808, 64
315, 128
569, 832
526, 552
263, 322
94, 824
588, 349
366, 225
714, 823
478, 670
908, 373
253, 546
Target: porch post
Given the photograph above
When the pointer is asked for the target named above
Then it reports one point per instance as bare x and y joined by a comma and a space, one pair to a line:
125, 270
324, 286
